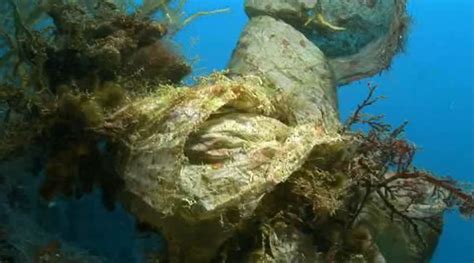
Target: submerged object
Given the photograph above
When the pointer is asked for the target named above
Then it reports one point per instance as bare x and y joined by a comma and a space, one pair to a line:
208, 164
360, 38
293, 65
204, 157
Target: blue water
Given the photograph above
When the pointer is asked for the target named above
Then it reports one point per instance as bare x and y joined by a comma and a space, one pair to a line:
430, 85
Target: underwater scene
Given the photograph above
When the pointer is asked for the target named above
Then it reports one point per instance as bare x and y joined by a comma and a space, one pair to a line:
326, 131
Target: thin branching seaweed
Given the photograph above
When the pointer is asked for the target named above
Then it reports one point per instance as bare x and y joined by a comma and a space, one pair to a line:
384, 167
368, 173
67, 64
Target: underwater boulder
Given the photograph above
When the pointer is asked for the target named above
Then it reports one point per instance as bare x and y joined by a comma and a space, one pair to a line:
296, 68
360, 38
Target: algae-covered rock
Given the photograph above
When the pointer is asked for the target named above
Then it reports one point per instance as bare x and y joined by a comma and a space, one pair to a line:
289, 61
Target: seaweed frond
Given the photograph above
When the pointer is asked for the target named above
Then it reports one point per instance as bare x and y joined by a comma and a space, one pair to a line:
65, 66
172, 11
383, 166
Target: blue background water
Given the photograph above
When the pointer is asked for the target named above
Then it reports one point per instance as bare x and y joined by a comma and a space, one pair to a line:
430, 85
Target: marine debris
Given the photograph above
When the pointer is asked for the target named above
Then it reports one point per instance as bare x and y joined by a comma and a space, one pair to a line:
248, 165
374, 31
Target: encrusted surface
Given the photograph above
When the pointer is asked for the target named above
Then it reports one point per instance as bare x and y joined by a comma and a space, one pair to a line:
293, 65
